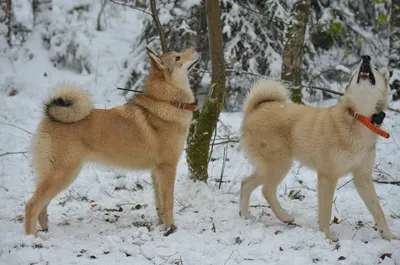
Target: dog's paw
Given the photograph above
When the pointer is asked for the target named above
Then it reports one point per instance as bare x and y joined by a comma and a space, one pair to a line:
244, 214
330, 236
289, 220
170, 230
41, 237
387, 235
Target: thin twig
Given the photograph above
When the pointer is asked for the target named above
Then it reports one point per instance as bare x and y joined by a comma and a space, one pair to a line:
223, 165
15, 126
131, 90
212, 144
231, 256
14, 153
158, 26
345, 184
131, 6
227, 141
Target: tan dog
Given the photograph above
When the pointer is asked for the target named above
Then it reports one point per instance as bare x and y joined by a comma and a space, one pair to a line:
329, 140
147, 133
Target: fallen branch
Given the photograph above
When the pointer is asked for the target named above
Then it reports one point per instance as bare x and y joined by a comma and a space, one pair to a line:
347, 182
15, 126
397, 182
14, 153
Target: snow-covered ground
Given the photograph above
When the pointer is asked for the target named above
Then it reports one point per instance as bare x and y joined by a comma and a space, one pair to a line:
108, 216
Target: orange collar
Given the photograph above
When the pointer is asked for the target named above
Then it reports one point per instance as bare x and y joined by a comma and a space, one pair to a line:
367, 122
185, 106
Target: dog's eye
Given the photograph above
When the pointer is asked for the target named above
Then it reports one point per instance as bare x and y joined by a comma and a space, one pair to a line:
177, 58
376, 69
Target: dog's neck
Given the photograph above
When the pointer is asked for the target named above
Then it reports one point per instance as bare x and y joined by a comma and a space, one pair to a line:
157, 87
366, 103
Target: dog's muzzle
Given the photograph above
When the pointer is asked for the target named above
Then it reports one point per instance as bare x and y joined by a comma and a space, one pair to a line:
193, 64
365, 70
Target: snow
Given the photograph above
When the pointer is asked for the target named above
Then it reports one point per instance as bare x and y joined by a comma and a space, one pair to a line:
107, 216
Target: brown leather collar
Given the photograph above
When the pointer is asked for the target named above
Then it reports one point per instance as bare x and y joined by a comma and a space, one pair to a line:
185, 106
177, 104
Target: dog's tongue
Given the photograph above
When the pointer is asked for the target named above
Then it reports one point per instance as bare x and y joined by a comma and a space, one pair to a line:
364, 74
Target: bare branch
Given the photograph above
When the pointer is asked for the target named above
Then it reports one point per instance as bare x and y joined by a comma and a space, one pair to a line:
340, 94
227, 141
131, 6
159, 26
258, 12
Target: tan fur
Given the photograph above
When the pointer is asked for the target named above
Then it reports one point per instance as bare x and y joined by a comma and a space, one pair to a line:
82, 104
275, 132
146, 133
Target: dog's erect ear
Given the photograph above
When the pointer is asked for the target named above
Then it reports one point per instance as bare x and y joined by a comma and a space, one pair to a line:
385, 72
158, 62
151, 51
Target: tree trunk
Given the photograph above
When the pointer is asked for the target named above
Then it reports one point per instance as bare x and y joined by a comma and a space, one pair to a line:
394, 45
199, 144
294, 49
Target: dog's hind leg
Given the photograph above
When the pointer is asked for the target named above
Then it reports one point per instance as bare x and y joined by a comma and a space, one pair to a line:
248, 185
365, 188
326, 190
274, 173
157, 197
43, 218
46, 190
165, 176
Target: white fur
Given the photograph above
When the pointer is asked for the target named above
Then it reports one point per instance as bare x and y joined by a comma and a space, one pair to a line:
264, 90
365, 95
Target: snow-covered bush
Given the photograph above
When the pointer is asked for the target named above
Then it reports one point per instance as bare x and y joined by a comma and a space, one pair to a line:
69, 45
69, 48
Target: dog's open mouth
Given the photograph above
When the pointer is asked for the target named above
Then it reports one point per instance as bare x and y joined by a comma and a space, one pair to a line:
193, 64
366, 73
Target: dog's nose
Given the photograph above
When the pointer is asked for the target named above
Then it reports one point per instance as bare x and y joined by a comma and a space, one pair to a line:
366, 59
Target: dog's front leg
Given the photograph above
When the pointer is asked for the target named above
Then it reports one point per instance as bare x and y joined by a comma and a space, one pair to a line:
365, 187
326, 190
157, 197
165, 176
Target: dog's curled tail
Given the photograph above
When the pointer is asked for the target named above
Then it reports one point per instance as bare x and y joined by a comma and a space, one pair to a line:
68, 104
264, 91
